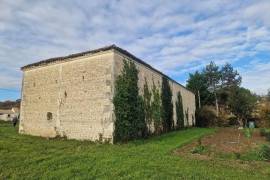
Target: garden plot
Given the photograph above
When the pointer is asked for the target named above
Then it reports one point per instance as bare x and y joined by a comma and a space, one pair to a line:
232, 143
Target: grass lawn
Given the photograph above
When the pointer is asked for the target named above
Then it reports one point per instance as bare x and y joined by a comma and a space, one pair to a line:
26, 157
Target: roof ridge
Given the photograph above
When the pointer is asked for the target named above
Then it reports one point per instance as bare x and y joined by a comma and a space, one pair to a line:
105, 48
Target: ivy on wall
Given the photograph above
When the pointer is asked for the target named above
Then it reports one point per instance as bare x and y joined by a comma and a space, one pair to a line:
129, 106
147, 95
167, 106
156, 109
135, 114
179, 112
187, 119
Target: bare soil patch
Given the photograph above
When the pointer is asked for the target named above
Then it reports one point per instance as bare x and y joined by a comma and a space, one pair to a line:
224, 141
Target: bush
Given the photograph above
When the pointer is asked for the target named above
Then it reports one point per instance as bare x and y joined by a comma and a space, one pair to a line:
199, 149
265, 132
267, 135
264, 152
248, 132
206, 117
233, 121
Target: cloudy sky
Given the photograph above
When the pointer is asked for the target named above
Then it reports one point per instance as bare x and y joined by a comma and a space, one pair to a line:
176, 37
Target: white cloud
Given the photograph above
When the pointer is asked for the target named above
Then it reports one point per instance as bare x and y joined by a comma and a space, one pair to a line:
256, 77
175, 37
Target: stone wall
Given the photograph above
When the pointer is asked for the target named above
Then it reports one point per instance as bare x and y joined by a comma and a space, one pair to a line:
151, 76
72, 98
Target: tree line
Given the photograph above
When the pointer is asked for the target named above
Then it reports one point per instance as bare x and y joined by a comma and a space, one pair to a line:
221, 87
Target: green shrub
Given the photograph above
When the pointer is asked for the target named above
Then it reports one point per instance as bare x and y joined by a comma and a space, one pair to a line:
265, 132
248, 132
237, 155
199, 149
233, 121
267, 135
264, 152
206, 117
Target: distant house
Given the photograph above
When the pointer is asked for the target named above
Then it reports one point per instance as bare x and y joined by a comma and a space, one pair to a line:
9, 114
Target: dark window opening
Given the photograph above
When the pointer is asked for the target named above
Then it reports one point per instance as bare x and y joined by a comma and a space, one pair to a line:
65, 94
49, 116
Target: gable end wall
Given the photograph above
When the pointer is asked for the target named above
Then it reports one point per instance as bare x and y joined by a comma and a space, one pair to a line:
77, 93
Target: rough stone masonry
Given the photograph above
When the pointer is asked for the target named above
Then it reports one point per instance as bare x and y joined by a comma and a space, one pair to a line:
72, 96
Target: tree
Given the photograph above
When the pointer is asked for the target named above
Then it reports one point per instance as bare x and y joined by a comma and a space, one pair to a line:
147, 105
229, 79
229, 76
213, 76
241, 103
156, 109
167, 106
129, 111
179, 111
197, 83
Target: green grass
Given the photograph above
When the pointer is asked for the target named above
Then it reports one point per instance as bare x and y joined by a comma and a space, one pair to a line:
26, 157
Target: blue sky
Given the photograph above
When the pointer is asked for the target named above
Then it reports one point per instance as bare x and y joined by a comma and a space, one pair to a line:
176, 37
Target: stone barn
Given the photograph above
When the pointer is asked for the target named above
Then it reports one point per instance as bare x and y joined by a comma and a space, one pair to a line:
72, 96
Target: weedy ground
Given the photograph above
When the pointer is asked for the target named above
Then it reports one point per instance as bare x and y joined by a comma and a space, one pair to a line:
27, 157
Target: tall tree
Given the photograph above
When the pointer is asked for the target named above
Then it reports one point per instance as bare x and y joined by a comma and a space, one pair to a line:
229, 76
229, 79
241, 103
213, 76
197, 83
167, 106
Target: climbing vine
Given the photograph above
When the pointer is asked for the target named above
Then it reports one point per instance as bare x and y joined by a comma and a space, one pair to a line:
179, 112
156, 109
167, 106
147, 105
187, 119
129, 106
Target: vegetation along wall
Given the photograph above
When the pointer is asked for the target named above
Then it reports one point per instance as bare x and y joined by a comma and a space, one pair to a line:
73, 96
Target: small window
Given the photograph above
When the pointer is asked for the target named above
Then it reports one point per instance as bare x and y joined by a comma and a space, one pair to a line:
65, 94
49, 116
